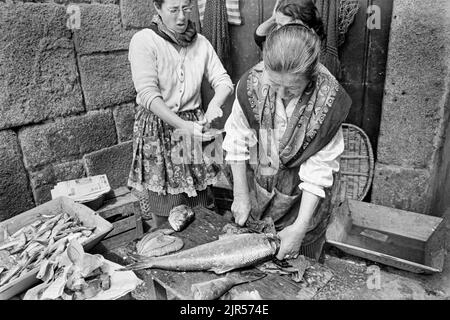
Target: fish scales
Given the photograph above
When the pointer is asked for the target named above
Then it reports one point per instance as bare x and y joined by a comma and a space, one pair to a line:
219, 256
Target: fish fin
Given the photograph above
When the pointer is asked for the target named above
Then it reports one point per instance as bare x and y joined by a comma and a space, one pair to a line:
136, 266
221, 270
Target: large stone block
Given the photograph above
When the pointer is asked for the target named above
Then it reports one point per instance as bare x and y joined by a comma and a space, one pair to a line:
44, 180
101, 29
409, 125
124, 118
137, 13
15, 194
67, 139
402, 188
419, 60
38, 73
106, 80
115, 162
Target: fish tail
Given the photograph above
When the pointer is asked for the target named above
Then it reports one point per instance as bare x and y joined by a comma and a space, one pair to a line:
136, 266
136, 257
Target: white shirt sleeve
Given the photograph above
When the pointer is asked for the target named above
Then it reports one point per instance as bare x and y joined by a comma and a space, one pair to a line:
239, 136
144, 71
316, 173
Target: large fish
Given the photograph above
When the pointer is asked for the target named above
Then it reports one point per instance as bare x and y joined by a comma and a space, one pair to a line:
220, 256
213, 289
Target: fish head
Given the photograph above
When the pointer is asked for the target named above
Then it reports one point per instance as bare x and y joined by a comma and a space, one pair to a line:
274, 241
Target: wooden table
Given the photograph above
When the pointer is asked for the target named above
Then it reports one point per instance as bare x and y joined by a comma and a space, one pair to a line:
206, 228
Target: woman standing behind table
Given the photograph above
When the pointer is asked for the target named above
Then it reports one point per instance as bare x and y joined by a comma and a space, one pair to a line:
290, 11
168, 61
284, 138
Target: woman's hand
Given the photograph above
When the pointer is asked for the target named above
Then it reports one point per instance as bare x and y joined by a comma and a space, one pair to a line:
265, 27
292, 236
291, 240
214, 111
193, 129
275, 9
241, 209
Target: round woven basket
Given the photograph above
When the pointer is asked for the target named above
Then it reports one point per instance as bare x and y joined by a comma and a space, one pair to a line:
356, 165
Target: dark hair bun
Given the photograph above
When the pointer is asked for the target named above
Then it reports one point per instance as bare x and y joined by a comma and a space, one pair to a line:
303, 10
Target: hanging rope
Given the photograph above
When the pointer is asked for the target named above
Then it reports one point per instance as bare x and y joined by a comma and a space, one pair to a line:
337, 17
329, 54
347, 12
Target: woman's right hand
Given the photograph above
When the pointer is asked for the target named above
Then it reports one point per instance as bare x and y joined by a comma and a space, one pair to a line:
194, 129
241, 209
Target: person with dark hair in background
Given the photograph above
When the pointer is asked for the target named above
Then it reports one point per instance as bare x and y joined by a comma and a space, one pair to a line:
291, 11
168, 62
284, 138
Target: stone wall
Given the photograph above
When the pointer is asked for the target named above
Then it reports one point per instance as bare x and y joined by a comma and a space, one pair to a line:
66, 95
414, 123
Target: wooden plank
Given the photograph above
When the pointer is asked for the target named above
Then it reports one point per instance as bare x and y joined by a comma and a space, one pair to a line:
384, 258
122, 226
372, 108
114, 193
160, 291
355, 91
122, 205
436, 246
244, 52
386, 243
138, 219
353, 51
399, 222
441, 182
377, 51
116, 241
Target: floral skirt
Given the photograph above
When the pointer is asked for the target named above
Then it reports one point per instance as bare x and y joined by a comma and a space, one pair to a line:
166, 163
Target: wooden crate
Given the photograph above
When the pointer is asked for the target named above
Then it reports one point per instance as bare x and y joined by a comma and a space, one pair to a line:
53, 207
398, 238
122, 209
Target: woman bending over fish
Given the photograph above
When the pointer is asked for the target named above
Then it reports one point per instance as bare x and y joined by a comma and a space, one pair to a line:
168, 62
284, 138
